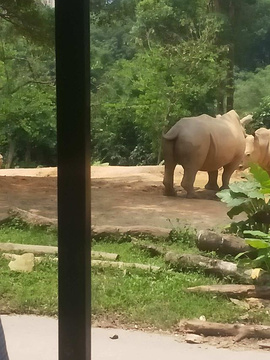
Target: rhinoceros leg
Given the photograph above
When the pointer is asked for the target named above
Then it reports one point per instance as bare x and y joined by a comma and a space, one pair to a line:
227, 173
188, 181
212, 181
168, 179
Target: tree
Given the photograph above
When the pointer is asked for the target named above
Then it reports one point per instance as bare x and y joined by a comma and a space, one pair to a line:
31, 19
252, 48
27, 102
155, 61
247, 40
161, 83
251, 88
108, 44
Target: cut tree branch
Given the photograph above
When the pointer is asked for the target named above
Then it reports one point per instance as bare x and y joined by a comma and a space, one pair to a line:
123, 265
240, 331
235, 290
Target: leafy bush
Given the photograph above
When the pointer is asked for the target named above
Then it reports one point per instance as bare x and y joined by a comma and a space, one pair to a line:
259, 257
262, 115
250, 197
250, 89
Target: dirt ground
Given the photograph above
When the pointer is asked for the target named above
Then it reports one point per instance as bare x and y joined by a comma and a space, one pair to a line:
120, 196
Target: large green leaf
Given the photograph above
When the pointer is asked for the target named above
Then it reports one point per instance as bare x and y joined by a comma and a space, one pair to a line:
256, 195
224, 195
238, 256
261, 176
236, 210
230, 198
257, 234
239, 201
257, 243
244, 187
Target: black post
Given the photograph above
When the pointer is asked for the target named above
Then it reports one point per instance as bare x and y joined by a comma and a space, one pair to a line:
73, 137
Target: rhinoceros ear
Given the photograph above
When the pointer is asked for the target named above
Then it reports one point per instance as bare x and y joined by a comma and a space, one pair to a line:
256, 137
246, 120
261, 138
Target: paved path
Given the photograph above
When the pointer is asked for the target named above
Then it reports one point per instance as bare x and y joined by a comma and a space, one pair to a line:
32, 338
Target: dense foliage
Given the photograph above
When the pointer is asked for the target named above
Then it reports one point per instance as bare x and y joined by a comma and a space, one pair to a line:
27, 78
152, 62
155, 61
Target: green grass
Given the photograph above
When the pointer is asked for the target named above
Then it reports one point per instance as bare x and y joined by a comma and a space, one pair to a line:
128, 253
26, 293
132, 296
156, 299
19, 233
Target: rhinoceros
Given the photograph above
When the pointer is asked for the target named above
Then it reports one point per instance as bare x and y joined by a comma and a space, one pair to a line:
203, 143
257, 150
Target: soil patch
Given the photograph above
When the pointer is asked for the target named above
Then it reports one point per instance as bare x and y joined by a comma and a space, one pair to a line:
120, 196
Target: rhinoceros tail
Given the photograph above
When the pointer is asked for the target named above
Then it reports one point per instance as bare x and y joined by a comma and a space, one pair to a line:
172, 133
167, 149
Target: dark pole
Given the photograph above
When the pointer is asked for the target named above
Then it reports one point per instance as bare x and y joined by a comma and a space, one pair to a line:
73, 137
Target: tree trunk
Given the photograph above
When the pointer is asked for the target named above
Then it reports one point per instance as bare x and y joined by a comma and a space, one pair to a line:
11, 153
221, 95
27, 156
228, 8
230, 79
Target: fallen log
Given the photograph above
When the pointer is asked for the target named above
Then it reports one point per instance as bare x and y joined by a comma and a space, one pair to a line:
235, 290
106, 230
53, 250
209, 265
221, 243
35, 249
29, 218
123, 265
240, 331
258, 303
100, 255
214, 266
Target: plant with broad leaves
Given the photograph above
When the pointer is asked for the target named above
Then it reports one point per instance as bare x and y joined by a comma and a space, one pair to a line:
259, 255
251, 197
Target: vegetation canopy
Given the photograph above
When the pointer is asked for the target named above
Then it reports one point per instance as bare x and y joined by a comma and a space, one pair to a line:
152, 62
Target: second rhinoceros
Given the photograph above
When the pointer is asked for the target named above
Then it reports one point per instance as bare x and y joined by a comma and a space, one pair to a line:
203, 143
257, 150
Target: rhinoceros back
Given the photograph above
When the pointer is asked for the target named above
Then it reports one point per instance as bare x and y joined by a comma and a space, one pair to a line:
185, 122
